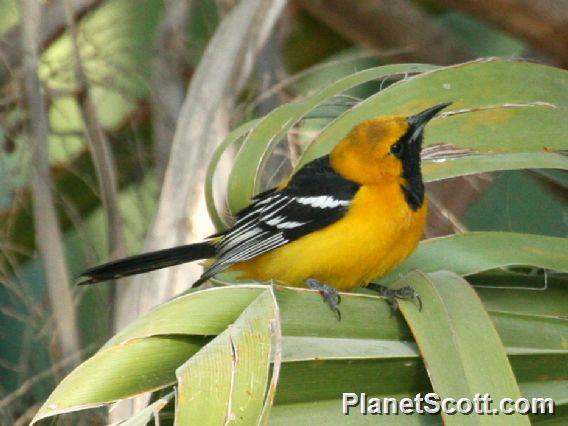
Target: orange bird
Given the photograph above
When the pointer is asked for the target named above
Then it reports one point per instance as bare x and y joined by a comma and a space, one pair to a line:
340, 221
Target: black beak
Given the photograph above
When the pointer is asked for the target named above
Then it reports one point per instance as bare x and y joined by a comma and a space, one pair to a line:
419, 120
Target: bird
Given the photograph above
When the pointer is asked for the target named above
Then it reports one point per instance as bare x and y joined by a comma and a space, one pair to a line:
336, 224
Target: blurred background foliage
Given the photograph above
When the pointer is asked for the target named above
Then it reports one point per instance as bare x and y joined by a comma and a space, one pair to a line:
311, 47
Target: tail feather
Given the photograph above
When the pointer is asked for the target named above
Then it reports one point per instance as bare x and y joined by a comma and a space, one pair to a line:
147, 262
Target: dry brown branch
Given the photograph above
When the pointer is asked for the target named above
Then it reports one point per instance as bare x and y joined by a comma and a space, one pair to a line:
203, 122
271, 70
73, 181
27, 385
449, 201
168, 77
542, 23
96, 139
445, 217
49, 238
53, 24
387, 24
27, 416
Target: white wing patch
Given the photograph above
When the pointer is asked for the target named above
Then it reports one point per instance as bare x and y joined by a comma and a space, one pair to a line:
322, 202
290, 225
279, 224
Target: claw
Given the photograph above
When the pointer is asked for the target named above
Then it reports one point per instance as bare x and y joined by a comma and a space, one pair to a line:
419, 300
329, 294
393, 295
336, 311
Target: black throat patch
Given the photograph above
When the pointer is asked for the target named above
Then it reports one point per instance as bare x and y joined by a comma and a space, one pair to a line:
413, 187
414, 192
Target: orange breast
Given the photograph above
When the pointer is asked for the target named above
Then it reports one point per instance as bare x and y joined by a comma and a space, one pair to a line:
378, 233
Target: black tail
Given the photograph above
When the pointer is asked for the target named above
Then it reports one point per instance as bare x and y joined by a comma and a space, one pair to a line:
147, 262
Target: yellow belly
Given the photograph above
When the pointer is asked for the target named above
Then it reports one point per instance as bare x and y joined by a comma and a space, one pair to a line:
378, 233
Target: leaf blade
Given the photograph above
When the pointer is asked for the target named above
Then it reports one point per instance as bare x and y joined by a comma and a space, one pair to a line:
452, 348
227, 380
473, 252
116, 373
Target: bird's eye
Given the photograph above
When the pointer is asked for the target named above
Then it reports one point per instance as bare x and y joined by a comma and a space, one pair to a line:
396, 149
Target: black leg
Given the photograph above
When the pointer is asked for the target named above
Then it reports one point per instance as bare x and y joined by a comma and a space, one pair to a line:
393, 295
330, 295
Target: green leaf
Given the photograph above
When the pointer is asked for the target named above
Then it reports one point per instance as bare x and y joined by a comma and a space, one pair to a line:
117, 372
231, 139
227, 380
528, 313
304, 314
473, 252
209, 312
206, 313
459, 344
504, 127
462, 166
368, 351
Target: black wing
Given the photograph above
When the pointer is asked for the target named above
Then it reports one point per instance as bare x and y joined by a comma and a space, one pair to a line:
315, 197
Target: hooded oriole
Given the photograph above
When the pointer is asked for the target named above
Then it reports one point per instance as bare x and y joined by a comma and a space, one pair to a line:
340, 221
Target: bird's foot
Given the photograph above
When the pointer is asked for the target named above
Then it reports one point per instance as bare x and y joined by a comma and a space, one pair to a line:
393, 295
330, 295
